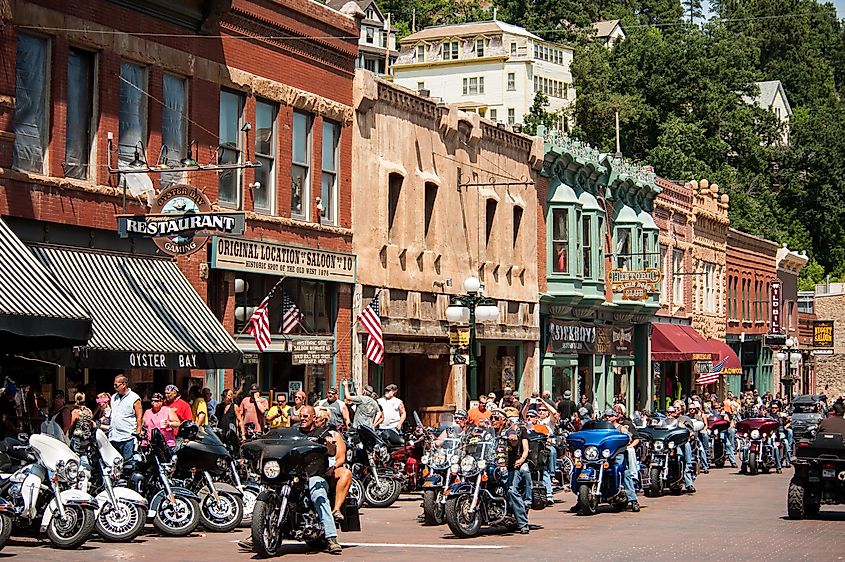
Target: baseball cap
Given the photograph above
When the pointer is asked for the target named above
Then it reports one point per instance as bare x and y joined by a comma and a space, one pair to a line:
567, 394
497, 412
492, 395
333, 390
155, 396
253, 387
171, 388
460, 413
511, 412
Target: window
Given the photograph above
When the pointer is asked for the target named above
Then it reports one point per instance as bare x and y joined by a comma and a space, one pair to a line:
490, 218
420, 86
265, 154
301, 165
174, 125
430, 200
623, 248
79, 132
513, 48
369, 34
494, 114
664, 281
449, 50
565, 90
517, 222
231, 115
511, 116
709, 287
536, 84
420, 53
479, 47
473, 85
480, 84
587, 245
328, 192
511, 81
394, 191
677, 277
536, 51
132, 133
560, 241
31, 108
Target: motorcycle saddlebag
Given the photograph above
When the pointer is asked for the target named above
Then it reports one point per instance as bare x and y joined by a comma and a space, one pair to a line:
351, 517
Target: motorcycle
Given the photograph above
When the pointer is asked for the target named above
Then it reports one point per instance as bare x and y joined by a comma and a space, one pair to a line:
121, 512
480, 496
240, 475
284, 508
718, 430
666, 466
564, 458
174, 509
758, 452
597, 477
369, 460
200, 455
407, 458
438, 476
66, 513
538, 457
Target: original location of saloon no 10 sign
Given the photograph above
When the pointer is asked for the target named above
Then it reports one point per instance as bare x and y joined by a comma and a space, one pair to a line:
180, 221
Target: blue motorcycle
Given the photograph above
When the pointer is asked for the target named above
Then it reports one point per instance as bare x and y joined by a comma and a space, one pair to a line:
597, 477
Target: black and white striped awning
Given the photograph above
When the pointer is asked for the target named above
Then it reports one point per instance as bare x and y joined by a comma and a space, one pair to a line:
35, 312
146, 313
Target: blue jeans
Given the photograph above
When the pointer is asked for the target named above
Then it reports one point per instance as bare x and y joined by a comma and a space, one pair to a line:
551, 466
776, 452
702, 450
687, 456
627, 478
125, 448
730, 446
789, 437
318, 489
516, 502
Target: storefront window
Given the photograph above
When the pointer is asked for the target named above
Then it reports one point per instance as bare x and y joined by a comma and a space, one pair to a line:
562, 381
560, 241
314, 299
623, 248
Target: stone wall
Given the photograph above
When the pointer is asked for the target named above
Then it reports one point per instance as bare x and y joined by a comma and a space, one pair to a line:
830, 369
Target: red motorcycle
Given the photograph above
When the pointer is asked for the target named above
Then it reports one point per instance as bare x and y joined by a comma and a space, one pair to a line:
407, 459
760, 437
717, 429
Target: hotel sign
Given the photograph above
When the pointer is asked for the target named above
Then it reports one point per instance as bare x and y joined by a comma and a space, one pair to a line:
256, 256
634, 285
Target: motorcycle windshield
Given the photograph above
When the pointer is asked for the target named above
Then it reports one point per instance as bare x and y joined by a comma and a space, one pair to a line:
54, 430
107, 451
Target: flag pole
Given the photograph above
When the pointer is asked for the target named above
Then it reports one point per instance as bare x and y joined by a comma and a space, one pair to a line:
355, 325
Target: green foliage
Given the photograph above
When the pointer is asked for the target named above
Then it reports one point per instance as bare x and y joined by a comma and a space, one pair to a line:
811, 275
537, 115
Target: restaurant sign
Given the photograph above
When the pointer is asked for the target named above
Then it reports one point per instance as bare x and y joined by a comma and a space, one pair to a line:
823, 333
588, 339
634, 285
180, 221
256, 256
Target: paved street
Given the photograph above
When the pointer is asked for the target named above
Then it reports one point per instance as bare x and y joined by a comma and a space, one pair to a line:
732, 517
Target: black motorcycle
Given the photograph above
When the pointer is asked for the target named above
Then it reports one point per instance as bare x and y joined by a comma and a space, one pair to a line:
201, 462
368, 455
286, 461
538, 458
175, 509
240, 475
666, 466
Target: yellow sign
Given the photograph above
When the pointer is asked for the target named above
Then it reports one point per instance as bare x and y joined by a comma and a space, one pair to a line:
634, 285
823, 333
458, 335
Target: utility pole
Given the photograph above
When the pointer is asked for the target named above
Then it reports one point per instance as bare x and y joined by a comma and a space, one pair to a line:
618, 147
414, 20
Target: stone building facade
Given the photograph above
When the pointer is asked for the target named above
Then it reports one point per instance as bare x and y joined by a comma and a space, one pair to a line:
830, 369
85, 85
710, 233
439, 196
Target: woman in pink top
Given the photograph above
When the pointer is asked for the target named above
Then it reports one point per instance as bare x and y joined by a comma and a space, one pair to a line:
161, 417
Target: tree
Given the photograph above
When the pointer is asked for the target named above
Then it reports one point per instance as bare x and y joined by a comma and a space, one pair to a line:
537, 115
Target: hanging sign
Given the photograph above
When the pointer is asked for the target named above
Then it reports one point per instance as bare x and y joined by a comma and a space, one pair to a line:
588, 339
459, 337
180, 221
634, 285
774, 295
312, 352
823, 333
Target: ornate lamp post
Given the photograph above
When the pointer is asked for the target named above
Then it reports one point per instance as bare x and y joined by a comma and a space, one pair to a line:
469, 309
788, 357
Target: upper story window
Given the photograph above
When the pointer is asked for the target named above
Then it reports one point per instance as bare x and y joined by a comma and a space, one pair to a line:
132, 130
678, 277
430, 201
479, 47
231, 121
174, 125
369, 34
513, 48
394, 194
301, 165
560, 241
587, 245
265, 153
511, 81
370, 14
32, 115
328, 193
420, 55
710, 280
473, 85
511, 116
449, 50
517, 223
623, 248
79, 130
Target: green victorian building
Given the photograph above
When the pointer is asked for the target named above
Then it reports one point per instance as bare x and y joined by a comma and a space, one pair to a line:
602, 273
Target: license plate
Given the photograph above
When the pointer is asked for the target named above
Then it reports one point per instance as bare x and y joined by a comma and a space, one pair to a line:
587, 474
828, 473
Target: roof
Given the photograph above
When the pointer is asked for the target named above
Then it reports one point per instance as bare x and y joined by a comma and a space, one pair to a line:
469, 29
605, 28
768, 90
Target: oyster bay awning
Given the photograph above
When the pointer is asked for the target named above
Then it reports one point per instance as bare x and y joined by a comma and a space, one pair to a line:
35, 311
145, 312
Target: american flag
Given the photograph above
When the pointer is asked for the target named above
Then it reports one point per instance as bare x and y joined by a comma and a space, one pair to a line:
259, 324
713, 375
371, 321
291, 316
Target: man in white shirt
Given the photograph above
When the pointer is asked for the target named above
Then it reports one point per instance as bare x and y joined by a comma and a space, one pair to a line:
126, 417
394, 414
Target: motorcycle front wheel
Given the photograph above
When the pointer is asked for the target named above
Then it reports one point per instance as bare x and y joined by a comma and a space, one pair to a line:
434, 511
177, 518
266, 527
122, 522
752, 464
382, 493
223, 514
356, 491
656, 488
74, 529
587, 500
462, 522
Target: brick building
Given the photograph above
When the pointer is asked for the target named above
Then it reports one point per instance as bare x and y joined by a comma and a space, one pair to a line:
89, 85
829, 368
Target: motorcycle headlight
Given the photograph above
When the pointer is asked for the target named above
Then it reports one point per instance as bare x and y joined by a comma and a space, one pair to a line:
455, 468
606, 453
467, 463
271, 469
71, 471
424, 459
591, 453
658, 446
672, 444
577, 453
755, 434
116, 468
222, 463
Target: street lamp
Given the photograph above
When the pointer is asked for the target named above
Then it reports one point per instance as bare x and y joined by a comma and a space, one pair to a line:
788, 357
472, 308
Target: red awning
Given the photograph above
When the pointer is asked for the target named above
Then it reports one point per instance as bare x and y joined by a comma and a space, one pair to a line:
722, 350
671, 342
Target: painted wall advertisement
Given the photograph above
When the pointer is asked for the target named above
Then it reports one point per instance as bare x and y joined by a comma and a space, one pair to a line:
588, 339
